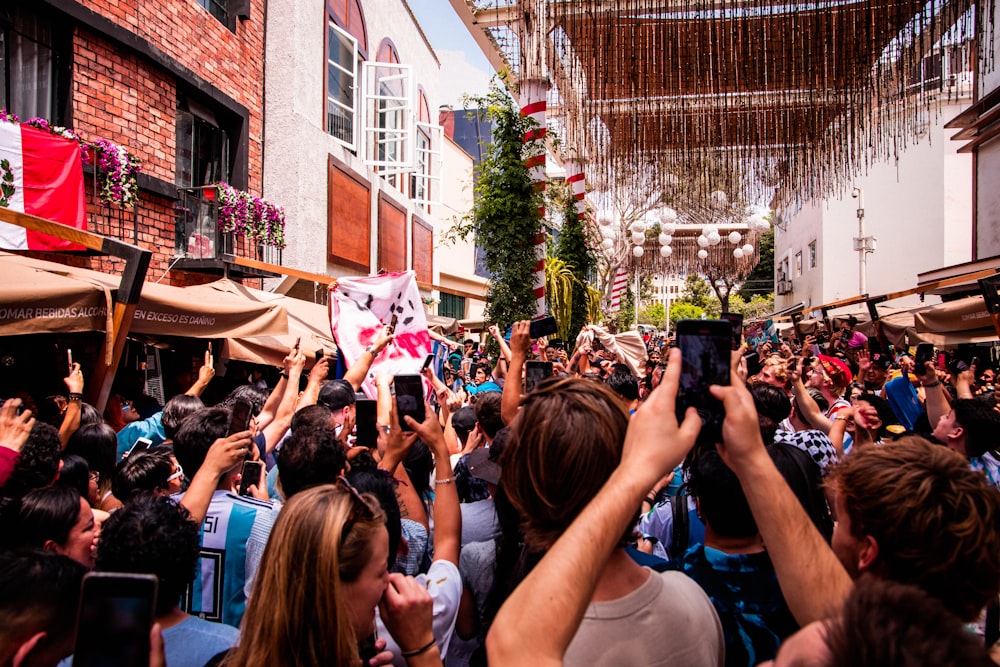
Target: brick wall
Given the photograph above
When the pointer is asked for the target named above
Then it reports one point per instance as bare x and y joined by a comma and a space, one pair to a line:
125, 97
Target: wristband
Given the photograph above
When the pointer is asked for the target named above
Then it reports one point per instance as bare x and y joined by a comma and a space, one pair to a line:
931, 384
841, 418
73, 396
446, 480
284, 375
370, 350
423, 649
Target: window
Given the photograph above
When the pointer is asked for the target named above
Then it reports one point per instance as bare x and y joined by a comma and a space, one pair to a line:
217, 8
34, 62
451, 306
812, 255
798, 264
346, 48
203, 146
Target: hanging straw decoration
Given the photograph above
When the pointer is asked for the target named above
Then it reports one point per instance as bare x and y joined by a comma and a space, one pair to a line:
762, 100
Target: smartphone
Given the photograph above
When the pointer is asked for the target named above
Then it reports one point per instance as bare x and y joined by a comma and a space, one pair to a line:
736, 320
964, 358
705, 360
114, 621
69, 360
535, 372
240, 421
409, 398
392, 323
320, 354
211, 356
367, 430
298, 341
140, 445
427, 361
250, 475
925, 353
542, 326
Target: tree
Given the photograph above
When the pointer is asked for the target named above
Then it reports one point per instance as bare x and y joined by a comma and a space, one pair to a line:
754, 309
696, 292
626, 316
505, 214
655, 314
682, 310
575, 251
761, 279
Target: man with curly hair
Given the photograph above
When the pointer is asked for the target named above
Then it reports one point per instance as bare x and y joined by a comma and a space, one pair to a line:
155, 535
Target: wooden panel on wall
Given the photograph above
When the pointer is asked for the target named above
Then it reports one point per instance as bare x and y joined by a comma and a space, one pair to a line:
348, 218
391, 236
423, 250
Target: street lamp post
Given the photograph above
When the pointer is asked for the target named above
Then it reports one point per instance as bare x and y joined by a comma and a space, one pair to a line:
862, 244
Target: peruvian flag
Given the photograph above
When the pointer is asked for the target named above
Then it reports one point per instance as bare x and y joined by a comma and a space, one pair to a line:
40, 174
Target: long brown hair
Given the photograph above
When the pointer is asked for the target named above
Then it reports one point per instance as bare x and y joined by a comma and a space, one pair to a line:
297, 614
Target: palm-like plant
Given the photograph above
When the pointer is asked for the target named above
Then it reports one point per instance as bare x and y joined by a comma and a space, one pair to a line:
559, 281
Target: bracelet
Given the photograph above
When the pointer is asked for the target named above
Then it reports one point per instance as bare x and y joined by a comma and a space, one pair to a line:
841, 418
931, 384
73, 396
650, 499
371, 350
426, 647
284, 374
446, 480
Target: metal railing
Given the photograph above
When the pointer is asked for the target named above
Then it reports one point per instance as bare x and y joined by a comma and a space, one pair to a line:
197, 233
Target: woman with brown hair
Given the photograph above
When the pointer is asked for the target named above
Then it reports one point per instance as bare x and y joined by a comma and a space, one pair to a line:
324, 570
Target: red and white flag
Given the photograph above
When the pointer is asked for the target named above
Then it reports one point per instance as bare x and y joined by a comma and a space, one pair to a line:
361, 307
618, 289
40, 174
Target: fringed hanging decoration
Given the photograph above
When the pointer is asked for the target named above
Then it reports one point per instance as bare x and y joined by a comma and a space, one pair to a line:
661, 101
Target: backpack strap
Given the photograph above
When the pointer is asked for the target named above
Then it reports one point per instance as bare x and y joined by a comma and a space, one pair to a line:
681, 526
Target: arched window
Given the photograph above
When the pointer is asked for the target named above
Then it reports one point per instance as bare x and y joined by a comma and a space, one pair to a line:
346, 47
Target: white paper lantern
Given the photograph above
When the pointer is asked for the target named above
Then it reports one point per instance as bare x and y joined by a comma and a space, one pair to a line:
608, 232
714, 238
738, 253
718, 199
665, 239
666, 251
702, 254
667, 215
735, 237
604, 218
638, 238
703, 241
708, 230
637, 251
748, 250
637, 227
668, 228
608, 244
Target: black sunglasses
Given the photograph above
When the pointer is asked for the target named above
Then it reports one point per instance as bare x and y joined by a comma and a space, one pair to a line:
359, 508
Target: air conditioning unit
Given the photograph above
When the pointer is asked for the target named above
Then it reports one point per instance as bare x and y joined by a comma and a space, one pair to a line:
784, 287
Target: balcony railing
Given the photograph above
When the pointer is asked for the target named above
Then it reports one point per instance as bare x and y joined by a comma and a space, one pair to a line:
198, 236
109, 220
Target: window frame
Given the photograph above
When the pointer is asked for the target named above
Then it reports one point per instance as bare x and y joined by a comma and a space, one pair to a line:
61, 61
813, 259
357, 56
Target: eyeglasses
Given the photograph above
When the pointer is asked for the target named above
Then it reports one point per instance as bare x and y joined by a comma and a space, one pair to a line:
177, 474
359, 509
95, 477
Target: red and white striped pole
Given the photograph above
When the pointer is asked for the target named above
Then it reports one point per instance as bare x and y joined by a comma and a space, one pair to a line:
576, 179
533, 105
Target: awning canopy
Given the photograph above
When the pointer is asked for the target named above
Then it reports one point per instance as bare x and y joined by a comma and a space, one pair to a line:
63, 298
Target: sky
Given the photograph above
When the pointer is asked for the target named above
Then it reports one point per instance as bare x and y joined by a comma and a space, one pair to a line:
464, 68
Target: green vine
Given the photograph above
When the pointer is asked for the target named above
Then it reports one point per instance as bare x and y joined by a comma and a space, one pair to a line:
574, 248
505, 215
6, 183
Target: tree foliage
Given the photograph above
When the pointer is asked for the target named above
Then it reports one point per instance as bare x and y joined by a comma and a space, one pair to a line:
654, 314
697, 292
573, 248
683, 310
761, 279
505, 214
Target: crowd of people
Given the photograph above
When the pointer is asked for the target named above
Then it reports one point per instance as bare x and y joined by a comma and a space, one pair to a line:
849, 514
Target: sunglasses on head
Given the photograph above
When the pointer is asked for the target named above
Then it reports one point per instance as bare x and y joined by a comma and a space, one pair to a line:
359, 508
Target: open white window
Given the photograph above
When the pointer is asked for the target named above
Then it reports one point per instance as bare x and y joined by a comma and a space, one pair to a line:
341, 84
427, 161
388, 132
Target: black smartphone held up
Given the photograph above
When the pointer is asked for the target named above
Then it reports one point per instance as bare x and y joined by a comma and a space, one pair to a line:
240, 421
69, 359
115, 618
735, 319
367, 430
409, 398
535, 372
250, 475
705, 359
392, 323
542, 326
140, 445
964, 358
925, 353
427, 361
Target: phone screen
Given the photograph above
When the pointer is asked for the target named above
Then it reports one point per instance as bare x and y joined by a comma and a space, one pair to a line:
116, 615
535, 372
367, 429
250, 475
925, 353
392, 322
543, 326
736, 320
705, 357
141, 444
427, 361
240, 420
409, 398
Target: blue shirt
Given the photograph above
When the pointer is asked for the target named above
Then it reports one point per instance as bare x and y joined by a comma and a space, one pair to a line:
151, 428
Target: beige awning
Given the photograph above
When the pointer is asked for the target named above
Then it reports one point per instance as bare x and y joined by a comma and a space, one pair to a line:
202, 311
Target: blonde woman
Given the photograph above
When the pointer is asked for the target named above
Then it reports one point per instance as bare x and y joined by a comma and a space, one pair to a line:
323, 572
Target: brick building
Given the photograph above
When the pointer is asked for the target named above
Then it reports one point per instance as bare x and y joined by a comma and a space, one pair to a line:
178, 83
